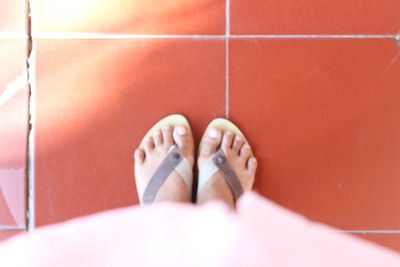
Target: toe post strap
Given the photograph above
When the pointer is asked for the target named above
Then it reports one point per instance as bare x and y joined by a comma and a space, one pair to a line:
217, 163
173, 161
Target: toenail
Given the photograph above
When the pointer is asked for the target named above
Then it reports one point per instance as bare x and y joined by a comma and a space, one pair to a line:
181, 130
212, 133
148, 139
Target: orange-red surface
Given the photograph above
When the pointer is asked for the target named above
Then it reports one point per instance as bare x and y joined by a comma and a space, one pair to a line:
314, 17
97, 98
13, 131
13, 103
321, 114
391, 241
130, 16
6, 234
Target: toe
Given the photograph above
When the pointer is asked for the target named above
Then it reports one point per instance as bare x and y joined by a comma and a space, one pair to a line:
252, 165
139, 157
167, 135
210, 142
157, 136
237, 143
245, 152
227, 141
184, 139
148, 145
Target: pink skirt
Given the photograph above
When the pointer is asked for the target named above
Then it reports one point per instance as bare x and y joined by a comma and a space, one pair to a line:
258, 233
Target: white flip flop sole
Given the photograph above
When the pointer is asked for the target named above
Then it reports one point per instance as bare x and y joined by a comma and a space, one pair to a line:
226, 125
171, 120
217, 162
147, 190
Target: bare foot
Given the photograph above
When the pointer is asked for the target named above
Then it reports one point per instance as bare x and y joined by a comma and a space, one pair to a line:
239, 157
155, 150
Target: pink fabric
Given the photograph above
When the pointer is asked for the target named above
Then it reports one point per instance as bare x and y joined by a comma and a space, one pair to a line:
259, 233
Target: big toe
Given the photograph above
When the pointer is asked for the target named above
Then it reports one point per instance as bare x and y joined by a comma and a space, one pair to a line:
210, 142
184, 139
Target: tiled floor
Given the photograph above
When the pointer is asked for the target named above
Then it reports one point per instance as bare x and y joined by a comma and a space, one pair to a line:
8, 234
134, 17
314, 86
314, 17
14, 96
100, 112
322, 115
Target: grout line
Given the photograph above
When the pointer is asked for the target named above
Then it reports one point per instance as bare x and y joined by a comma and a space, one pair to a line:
370, 231
11, 228
73, 35
67, 35
227, 18
8, 228
227, 78
312, 36
31, 141
227, 36
31, 63
14, 35
77, 35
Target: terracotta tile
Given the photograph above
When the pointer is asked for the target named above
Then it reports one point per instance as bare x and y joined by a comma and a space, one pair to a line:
13, 103
13, 16
314, 17
95, 101
12, 197
6, 234
6, 219
391, 241
322, 116
131, 17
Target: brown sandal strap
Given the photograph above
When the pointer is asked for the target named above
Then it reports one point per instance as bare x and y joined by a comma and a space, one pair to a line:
218, 162
173, 158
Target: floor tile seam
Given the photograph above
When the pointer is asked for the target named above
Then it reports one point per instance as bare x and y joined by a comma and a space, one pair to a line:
31, 143
12, 169
11, 228
121, 36
13, 35
311, 36
227, 91
31, 64
227, 18
227, 36
370, 231
67, 35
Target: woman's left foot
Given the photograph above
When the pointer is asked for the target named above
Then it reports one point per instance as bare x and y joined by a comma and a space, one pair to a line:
239, 156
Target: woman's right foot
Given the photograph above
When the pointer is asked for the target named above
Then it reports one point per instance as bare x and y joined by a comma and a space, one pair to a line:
156, 148
238, 154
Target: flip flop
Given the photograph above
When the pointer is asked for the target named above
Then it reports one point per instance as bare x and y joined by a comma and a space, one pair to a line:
174, 160
217, 162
